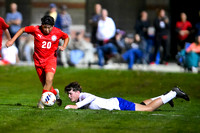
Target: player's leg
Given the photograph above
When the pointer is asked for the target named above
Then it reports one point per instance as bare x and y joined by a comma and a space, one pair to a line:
49, 82
42, 77
46, 79
175, 92
157, 102
50, 70
150, 107
41, 74
148, 101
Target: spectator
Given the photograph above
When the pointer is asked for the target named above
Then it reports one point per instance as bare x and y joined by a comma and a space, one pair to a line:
150, 45
3, 28
66, 20
89, 50
128, 41
183, 28
106, 28
189, 56
94, 21
119, 40
105, 32
14, 20
161, 25
81, 50
135, 52
54, 13
192, 55
28, 49
9, 56
142, 25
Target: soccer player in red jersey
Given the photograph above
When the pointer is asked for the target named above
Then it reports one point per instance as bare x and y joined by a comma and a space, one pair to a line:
46, 40
3, 28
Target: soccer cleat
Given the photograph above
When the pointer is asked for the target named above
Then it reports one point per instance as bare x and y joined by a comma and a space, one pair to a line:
40, 105
181, 94
58, 100
171, 102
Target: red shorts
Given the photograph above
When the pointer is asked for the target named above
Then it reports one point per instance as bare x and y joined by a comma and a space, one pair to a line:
48, 66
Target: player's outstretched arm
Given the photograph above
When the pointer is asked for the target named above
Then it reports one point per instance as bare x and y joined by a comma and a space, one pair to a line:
71, 107
7, 33
63, 47
19, 33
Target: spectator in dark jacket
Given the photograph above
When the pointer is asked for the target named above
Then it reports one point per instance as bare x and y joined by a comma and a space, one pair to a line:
161, 25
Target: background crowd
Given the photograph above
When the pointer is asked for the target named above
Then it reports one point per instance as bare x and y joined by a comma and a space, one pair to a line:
147, 44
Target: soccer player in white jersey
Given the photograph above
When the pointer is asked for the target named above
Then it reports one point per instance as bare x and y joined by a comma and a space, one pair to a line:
88, 101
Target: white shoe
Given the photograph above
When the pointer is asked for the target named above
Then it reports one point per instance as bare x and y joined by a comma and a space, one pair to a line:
40, 105
194, 70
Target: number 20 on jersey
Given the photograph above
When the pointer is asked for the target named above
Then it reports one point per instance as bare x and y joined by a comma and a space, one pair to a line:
46, 44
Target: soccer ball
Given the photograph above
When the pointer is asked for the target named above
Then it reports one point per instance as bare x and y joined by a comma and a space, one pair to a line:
48, 98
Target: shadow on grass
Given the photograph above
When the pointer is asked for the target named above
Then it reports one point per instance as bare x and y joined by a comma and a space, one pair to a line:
21, 105
18, 104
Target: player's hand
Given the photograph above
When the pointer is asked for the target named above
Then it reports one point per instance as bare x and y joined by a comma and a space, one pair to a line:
67, 107
71, 107
61, 48
9, 43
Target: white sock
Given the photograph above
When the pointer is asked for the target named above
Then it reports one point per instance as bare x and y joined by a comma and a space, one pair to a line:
169, 96
156, 98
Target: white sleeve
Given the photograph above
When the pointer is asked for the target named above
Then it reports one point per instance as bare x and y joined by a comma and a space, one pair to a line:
88, 99
112, 27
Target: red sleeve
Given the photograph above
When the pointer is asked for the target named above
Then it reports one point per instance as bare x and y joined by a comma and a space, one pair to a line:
30, 29
64, 35
3, 24
189, 25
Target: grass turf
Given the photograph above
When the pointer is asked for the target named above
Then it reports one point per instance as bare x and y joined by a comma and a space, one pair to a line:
20, 90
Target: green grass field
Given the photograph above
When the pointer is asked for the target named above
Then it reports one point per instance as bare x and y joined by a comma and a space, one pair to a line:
20, 90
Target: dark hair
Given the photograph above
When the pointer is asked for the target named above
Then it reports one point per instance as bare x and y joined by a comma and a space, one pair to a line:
75, 86
63, 7
47, 20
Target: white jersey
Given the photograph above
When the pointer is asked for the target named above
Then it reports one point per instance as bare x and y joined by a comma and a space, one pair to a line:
106, 29
89, 101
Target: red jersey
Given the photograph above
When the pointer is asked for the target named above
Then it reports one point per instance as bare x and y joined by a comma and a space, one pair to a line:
3, 26
183, 26
45, 46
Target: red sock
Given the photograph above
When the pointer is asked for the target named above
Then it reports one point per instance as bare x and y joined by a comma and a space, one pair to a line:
45, 91
53, 91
